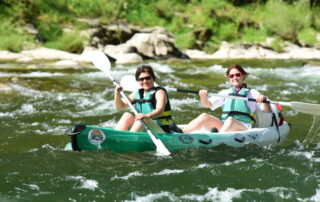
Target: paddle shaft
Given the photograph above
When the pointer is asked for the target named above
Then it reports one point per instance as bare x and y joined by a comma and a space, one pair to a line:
217, 95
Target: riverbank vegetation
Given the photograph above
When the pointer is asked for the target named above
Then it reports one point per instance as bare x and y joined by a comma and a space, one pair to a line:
201, 24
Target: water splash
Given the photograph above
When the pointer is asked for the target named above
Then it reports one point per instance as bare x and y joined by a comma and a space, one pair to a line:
313, 135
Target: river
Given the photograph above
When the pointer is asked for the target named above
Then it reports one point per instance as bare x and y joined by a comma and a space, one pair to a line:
46, 101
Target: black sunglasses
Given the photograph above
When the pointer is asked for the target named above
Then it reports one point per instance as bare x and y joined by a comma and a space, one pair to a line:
230, 76
147, 78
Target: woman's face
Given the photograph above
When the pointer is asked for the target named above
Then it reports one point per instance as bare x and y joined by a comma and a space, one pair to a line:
236, 78
146, 81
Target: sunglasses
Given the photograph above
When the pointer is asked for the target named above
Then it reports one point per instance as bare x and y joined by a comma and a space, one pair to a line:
230, 76
147, 78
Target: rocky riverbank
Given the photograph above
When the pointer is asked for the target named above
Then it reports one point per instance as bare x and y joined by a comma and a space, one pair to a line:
128, 44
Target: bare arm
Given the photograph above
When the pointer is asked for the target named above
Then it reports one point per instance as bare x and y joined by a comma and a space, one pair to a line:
119, 103
265, 106
204, 99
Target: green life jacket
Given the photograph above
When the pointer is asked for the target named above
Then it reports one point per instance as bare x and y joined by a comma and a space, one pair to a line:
238, 109
147, 103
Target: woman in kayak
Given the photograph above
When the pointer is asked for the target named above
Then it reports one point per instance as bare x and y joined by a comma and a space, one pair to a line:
152, 104
237, 115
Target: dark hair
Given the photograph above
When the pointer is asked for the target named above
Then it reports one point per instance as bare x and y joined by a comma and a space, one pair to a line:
147, 69
238, 67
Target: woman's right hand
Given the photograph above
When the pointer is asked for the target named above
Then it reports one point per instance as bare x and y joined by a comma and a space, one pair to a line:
203, 93
118, 88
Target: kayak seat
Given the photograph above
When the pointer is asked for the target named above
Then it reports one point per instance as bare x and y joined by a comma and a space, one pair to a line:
214, 130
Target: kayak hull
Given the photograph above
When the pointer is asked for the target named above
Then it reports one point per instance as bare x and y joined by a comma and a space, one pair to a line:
85, 137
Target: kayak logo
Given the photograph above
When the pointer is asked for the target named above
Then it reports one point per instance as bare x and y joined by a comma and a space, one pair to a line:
96, 136
186, 139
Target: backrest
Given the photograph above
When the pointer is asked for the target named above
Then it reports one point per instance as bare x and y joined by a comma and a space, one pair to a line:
264, 119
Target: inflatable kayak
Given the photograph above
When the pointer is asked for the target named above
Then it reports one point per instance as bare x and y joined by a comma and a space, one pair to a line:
270, 130
85, 137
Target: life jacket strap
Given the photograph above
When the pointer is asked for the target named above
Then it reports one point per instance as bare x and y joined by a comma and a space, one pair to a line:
140, 101
231, 113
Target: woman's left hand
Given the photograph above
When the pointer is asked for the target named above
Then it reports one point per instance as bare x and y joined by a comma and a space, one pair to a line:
141, 116
261, 98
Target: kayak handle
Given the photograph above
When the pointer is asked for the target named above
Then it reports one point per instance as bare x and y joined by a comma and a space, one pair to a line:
205, 142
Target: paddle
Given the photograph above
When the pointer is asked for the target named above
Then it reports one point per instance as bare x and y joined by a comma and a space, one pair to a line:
129, 84
100, 60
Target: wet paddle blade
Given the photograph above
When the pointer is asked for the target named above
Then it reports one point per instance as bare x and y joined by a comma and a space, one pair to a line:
129, 83
306, 108
302, 107
101, 61
161, 149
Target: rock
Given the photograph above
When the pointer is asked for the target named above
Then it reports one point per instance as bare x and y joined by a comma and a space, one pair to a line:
91, 22
255, 51
66, 63
152, 45
295, 52
5, 87
6, 55
49, 54
25, 59
312, 63
86, 55
113, 50
197, 54
128, 58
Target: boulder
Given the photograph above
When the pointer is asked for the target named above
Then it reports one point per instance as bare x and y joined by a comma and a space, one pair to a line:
49, 54
128, 58
66, 63
197, 54
6, 55
153, 45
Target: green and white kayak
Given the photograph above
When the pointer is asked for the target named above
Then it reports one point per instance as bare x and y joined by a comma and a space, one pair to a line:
85, 137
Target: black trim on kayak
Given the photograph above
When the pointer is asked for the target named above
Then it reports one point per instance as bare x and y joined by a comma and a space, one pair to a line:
205, 142
241, 140
274, 120
74, 143
74, 132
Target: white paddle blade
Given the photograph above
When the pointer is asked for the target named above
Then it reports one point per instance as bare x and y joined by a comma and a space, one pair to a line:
306, 108
161, 149
129, 83
100, 60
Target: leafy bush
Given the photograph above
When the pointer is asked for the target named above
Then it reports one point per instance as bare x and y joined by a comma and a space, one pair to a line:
253, 35
277, 45
12, 38
71, 42
285, 20
49, 31
230, 20
228, 32
308, 36
184, 40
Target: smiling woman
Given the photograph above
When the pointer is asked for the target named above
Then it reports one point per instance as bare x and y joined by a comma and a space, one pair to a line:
237, 115
152, 104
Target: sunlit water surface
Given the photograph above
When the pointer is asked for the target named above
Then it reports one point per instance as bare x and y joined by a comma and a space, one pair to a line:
46, 101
